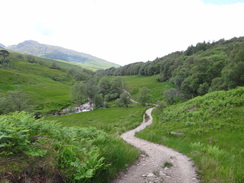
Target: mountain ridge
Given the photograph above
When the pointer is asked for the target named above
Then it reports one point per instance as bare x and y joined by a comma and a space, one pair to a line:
60, 53
2, 46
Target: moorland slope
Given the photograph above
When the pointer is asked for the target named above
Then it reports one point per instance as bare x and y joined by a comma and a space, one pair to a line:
60, 53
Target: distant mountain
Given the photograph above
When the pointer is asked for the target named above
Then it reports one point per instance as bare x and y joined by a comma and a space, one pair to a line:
59, 53
2, 46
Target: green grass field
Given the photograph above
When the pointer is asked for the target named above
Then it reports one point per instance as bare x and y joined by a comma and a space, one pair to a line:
210, 131
135, 83
111, 120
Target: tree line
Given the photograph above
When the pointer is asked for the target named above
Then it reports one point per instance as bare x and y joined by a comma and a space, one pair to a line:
196, 71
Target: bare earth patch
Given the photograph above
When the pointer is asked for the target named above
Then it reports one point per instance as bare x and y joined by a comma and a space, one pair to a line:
159, 164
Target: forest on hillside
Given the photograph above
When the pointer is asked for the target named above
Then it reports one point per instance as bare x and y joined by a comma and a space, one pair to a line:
200, 69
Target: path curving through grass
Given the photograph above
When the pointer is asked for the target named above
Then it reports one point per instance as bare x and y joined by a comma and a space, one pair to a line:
158, 164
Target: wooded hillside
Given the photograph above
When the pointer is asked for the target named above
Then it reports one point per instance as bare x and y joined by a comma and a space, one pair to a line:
198, 70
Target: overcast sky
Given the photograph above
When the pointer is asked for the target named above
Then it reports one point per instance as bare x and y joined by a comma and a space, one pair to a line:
121, 31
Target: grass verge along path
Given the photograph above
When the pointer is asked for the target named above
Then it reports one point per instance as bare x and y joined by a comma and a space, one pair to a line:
209, 129
160, 164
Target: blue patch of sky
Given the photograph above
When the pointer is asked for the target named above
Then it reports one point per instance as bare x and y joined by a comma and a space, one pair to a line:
222, 2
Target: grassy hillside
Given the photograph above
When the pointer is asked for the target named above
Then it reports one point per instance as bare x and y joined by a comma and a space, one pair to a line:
47, 88
208, 129
135, 83
59, 53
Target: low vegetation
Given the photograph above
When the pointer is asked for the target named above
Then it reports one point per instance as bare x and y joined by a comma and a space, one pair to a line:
58, 154
208, 129
114, 120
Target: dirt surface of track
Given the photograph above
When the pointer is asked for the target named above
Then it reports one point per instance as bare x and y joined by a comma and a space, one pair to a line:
160, 164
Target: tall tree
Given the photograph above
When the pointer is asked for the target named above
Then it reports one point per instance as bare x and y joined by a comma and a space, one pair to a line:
124, 100
5, 62
98, 100
78, 93
117, 85
14, 101
144, 96
104, 86
4, 53
91, 89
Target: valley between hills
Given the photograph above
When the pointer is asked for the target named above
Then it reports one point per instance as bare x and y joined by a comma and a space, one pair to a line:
198, 101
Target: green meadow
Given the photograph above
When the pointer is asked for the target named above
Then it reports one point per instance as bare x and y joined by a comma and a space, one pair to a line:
47, 89
111, 120
135, 83
209, 129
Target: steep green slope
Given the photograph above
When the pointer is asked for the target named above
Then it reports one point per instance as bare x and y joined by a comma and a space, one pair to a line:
59, 53
209, 129
47, 87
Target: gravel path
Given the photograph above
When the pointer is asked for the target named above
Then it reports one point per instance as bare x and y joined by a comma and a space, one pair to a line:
151, 167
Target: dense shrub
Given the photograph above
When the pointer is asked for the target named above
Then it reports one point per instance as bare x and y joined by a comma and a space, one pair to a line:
51, 152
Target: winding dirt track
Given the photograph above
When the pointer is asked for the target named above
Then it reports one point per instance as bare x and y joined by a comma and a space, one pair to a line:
150, 167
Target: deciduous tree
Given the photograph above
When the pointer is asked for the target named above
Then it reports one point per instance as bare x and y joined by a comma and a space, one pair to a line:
14, 101
78, 93
5, 62
124, 100
144, 96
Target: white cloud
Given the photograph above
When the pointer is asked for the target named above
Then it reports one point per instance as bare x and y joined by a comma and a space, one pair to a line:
120, 31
